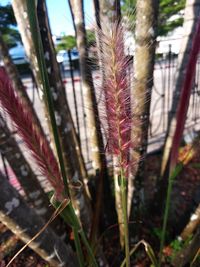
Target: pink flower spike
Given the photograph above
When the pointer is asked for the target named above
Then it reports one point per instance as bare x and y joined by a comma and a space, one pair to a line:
116, 90
36, 143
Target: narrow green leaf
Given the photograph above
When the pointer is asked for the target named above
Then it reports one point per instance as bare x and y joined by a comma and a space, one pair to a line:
32, 14
176, 171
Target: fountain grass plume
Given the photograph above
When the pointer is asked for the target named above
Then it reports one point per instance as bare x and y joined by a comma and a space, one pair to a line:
36, 143
116, 89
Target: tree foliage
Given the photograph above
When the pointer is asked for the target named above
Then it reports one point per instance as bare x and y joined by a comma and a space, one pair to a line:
8, 25
67, 42
167, 20
6, 18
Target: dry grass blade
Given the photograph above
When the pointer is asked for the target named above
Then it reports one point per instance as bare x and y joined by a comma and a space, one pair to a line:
150, 253
195, 258
148, 250
59, 210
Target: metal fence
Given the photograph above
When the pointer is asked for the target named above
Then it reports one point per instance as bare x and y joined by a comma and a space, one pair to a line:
162, 95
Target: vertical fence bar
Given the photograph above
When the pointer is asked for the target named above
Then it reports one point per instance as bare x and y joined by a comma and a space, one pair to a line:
74, 93
84, 121
169, 77
163, 95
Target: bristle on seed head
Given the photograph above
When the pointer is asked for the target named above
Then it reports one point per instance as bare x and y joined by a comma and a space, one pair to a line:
36, 143
116, 88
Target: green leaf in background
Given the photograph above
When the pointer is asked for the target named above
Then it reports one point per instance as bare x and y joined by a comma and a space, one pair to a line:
170, 16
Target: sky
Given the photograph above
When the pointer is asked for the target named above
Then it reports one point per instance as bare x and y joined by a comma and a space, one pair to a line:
60, 17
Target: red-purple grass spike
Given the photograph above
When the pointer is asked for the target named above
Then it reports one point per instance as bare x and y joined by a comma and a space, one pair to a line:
37, 144
188, 80
117, 95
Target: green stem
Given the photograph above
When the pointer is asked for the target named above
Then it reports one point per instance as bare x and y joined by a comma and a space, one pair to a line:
34, 27
125, 217
166, 214
89, 250
173, 175
71, 218
78, 247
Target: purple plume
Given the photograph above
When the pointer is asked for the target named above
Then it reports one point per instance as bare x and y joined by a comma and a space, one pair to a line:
117, 94
36, 143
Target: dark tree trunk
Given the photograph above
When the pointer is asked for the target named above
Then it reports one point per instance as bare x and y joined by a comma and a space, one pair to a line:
25, 223
75, 167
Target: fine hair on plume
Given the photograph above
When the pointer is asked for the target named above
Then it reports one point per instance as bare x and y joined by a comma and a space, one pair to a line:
117, 108
111, 40
36, 143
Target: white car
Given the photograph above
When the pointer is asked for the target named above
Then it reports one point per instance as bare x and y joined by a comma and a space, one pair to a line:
63, 58
18, 55
19, 58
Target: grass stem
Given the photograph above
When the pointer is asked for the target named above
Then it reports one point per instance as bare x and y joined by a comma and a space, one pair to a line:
173, 175
78, 247
89, 250
125, 217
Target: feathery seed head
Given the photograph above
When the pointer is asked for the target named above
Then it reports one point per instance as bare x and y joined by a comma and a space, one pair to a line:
37, 144
116, 90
